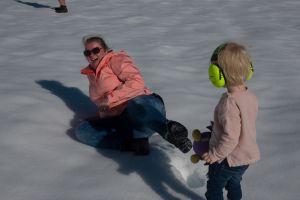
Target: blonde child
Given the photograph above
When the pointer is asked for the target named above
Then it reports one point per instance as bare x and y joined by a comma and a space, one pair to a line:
232, 146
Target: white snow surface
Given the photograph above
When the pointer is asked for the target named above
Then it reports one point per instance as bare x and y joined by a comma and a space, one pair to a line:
43, 95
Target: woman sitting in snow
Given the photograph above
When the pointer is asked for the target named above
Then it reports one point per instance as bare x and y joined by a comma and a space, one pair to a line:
129, 112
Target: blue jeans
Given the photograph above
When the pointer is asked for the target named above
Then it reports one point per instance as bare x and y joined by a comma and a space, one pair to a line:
220, 176
143, 116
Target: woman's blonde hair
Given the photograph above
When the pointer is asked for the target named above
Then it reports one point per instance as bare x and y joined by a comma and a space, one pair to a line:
235, 63
95, 38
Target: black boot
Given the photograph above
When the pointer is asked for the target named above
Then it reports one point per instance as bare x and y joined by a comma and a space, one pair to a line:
139, 146
61, 9
177, 135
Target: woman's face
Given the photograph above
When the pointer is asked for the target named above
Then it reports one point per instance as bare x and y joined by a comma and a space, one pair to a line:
94, 53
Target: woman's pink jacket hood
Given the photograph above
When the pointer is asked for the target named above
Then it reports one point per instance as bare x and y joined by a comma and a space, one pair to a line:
118, 78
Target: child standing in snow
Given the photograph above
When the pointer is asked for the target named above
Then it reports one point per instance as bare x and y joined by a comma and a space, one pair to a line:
233, 144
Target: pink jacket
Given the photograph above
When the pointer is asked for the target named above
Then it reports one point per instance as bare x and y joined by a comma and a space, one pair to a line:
117, 77
234, 130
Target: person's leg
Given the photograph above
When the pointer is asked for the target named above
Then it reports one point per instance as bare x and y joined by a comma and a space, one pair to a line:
143, 115
62, 7
62, 2
218, 177
103, 133
233, 186
147, 115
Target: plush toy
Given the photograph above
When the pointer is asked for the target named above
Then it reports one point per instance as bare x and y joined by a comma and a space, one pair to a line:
201, 143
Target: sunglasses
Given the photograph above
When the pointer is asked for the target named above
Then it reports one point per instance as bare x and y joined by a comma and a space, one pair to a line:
94, 51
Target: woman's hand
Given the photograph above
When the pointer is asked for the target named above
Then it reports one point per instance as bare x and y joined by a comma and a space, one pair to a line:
103, 104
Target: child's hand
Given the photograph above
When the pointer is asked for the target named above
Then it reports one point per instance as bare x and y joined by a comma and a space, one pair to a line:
207, 158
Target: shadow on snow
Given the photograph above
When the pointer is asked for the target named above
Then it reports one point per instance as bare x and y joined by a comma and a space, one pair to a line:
154, 169
35, 5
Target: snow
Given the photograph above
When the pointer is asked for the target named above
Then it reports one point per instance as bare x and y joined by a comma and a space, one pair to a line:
43, 95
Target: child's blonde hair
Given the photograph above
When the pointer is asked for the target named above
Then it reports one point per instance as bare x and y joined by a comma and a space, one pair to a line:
235, 63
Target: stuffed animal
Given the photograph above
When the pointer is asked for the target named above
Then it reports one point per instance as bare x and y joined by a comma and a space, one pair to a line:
200, 143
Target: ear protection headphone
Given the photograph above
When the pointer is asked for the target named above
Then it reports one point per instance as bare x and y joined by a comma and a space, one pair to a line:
216, 75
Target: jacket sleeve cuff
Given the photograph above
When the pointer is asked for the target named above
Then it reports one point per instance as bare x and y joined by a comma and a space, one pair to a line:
213, 157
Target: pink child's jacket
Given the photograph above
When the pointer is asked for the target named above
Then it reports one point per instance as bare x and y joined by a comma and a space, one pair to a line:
234, 130
118, 78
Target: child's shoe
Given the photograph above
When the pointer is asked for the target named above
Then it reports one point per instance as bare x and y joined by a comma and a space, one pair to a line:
177, 135
61, 9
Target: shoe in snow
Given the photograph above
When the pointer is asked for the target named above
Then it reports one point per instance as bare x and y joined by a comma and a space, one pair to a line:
177, 135
61, 9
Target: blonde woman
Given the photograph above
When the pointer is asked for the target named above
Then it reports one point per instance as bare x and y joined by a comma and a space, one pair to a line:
129, 112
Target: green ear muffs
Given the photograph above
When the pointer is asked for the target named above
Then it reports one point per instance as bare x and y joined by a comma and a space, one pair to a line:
216, 76
250, 74
215, 73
